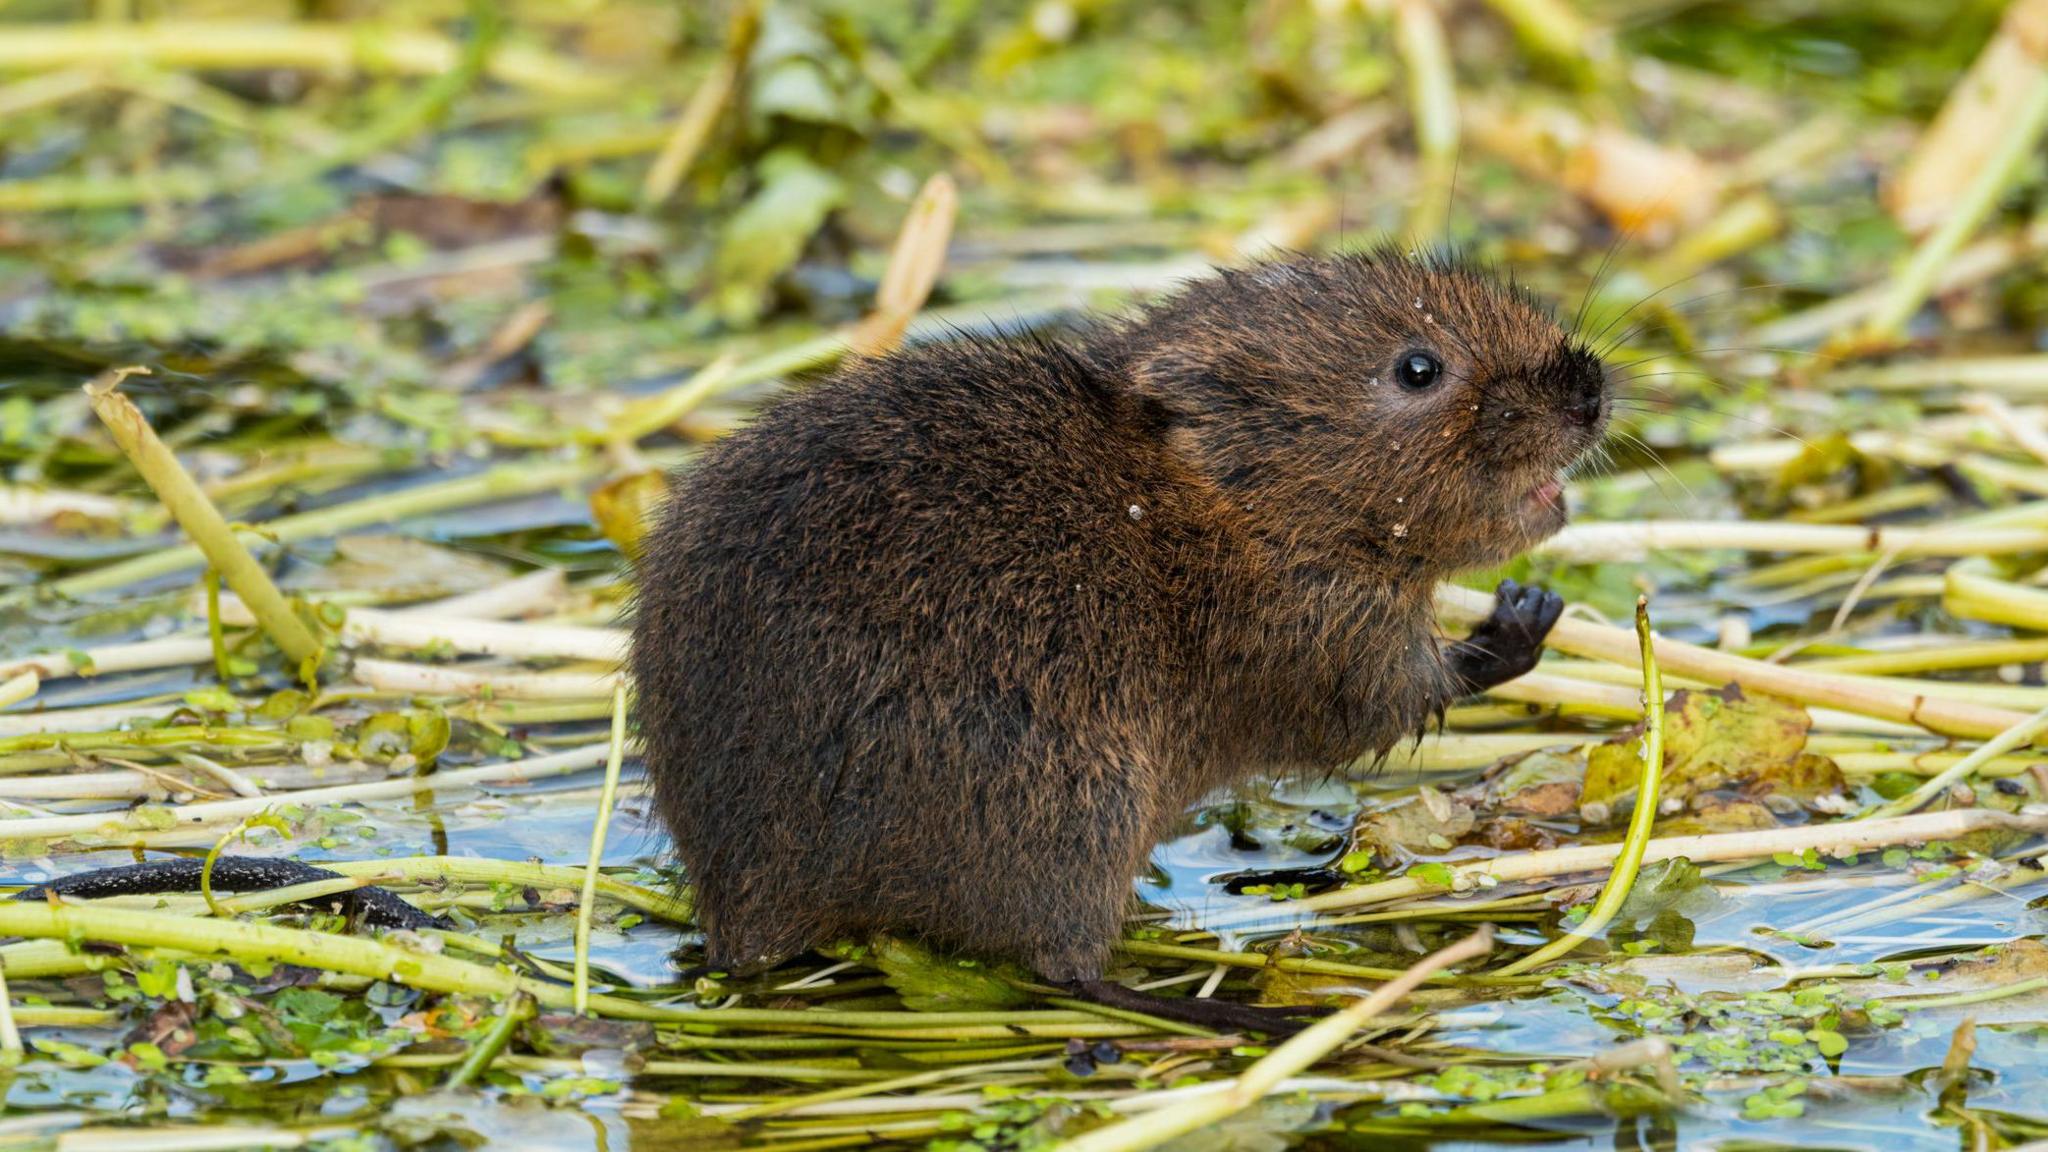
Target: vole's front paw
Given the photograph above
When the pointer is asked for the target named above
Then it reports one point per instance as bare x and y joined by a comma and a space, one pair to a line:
1522, 617
1508, 643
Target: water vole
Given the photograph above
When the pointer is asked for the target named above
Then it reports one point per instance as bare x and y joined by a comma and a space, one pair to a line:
942, 644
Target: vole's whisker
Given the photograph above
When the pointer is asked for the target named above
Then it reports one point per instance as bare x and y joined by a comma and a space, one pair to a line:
1676, 407
1657, 459
1625, 313
1593, 286
1715, 382
1691, 353
1680, 307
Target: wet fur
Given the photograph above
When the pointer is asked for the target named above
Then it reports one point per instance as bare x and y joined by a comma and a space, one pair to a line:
906, 659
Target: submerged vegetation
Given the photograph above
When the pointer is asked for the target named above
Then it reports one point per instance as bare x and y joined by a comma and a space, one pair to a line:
343, 344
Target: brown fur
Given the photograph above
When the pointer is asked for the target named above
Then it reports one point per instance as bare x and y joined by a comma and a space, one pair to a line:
943, 644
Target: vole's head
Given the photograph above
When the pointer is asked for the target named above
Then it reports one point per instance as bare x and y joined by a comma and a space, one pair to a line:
1376, 406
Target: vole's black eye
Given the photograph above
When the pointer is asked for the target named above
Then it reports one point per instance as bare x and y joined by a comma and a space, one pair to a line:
1418, 370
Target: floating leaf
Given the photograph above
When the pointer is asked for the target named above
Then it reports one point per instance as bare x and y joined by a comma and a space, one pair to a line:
1427, 825
1668, 896
1712, 814
215, 699
428, 730
384, 736
799, 74
281, 705
1435, 875
1832, 464
1267, 1126
1543, 784
1713, 740
929, 982
624, 507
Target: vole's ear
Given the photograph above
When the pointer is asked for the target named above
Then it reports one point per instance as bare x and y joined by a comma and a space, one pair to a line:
1190, 379
1164, 389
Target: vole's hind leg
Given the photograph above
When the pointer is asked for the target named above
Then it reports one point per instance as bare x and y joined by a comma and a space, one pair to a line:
1070, 915
1508, 643
745, 939
1216, 1015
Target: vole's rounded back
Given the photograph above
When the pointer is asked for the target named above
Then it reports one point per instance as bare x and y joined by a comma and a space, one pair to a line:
943, 643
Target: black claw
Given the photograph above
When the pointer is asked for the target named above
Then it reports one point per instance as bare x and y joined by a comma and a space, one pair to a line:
1508, 642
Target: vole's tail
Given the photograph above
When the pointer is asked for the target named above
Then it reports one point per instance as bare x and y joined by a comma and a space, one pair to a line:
374, 906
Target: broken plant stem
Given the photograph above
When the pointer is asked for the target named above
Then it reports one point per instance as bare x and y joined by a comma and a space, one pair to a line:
20, 686
203, 522
1966, 999
1838, 838
588, 902
291, 894
1433, 102
914, 266
500, 684
1630, 861
2017, 736
331, 49
875, 1087
121, 827
216, 636
1635, 539
519, 478
487, 1049
1299, 1052
10, 1033
1916, 280
700, 114
646, 417
1865, 698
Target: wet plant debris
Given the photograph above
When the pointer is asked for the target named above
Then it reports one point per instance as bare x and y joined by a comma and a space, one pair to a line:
343, 346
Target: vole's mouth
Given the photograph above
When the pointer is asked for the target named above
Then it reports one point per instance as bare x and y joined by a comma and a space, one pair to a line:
1549, 494
1543, 511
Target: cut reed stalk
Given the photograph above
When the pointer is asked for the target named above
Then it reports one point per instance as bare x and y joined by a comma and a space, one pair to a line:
433, 680
1299, 1052
587, 903
1915, 281
1972, 266
700, 114
1977, 597
203, 522
117, 826
1614, 645
34, 505
2025, 375
1433, 103
331, 49
416, 630
497, 483
18, 687
1630, 859
1838, 838
1634, 541
914, 266
11, 1051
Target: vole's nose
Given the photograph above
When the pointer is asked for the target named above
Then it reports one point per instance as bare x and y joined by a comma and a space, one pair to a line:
1587, 410
1587, 393
1582, 378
